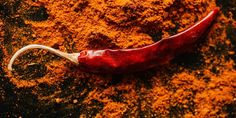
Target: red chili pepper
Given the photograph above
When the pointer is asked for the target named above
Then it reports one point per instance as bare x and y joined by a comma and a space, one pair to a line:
132, 60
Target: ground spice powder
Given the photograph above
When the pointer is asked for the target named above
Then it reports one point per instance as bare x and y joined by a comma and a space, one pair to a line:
198, 84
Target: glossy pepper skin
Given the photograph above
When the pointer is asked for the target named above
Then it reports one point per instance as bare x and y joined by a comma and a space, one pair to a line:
138, 59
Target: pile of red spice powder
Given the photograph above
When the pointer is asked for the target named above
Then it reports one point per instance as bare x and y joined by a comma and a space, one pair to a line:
198, 84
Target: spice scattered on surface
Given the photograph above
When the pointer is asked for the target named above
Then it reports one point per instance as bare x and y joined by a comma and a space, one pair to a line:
199, 84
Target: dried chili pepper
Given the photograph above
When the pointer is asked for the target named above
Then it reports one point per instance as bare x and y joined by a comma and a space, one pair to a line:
131, 60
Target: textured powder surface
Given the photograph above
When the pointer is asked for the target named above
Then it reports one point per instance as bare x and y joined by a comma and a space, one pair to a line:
198, 84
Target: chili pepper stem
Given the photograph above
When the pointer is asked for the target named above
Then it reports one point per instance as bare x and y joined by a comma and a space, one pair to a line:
70, 56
